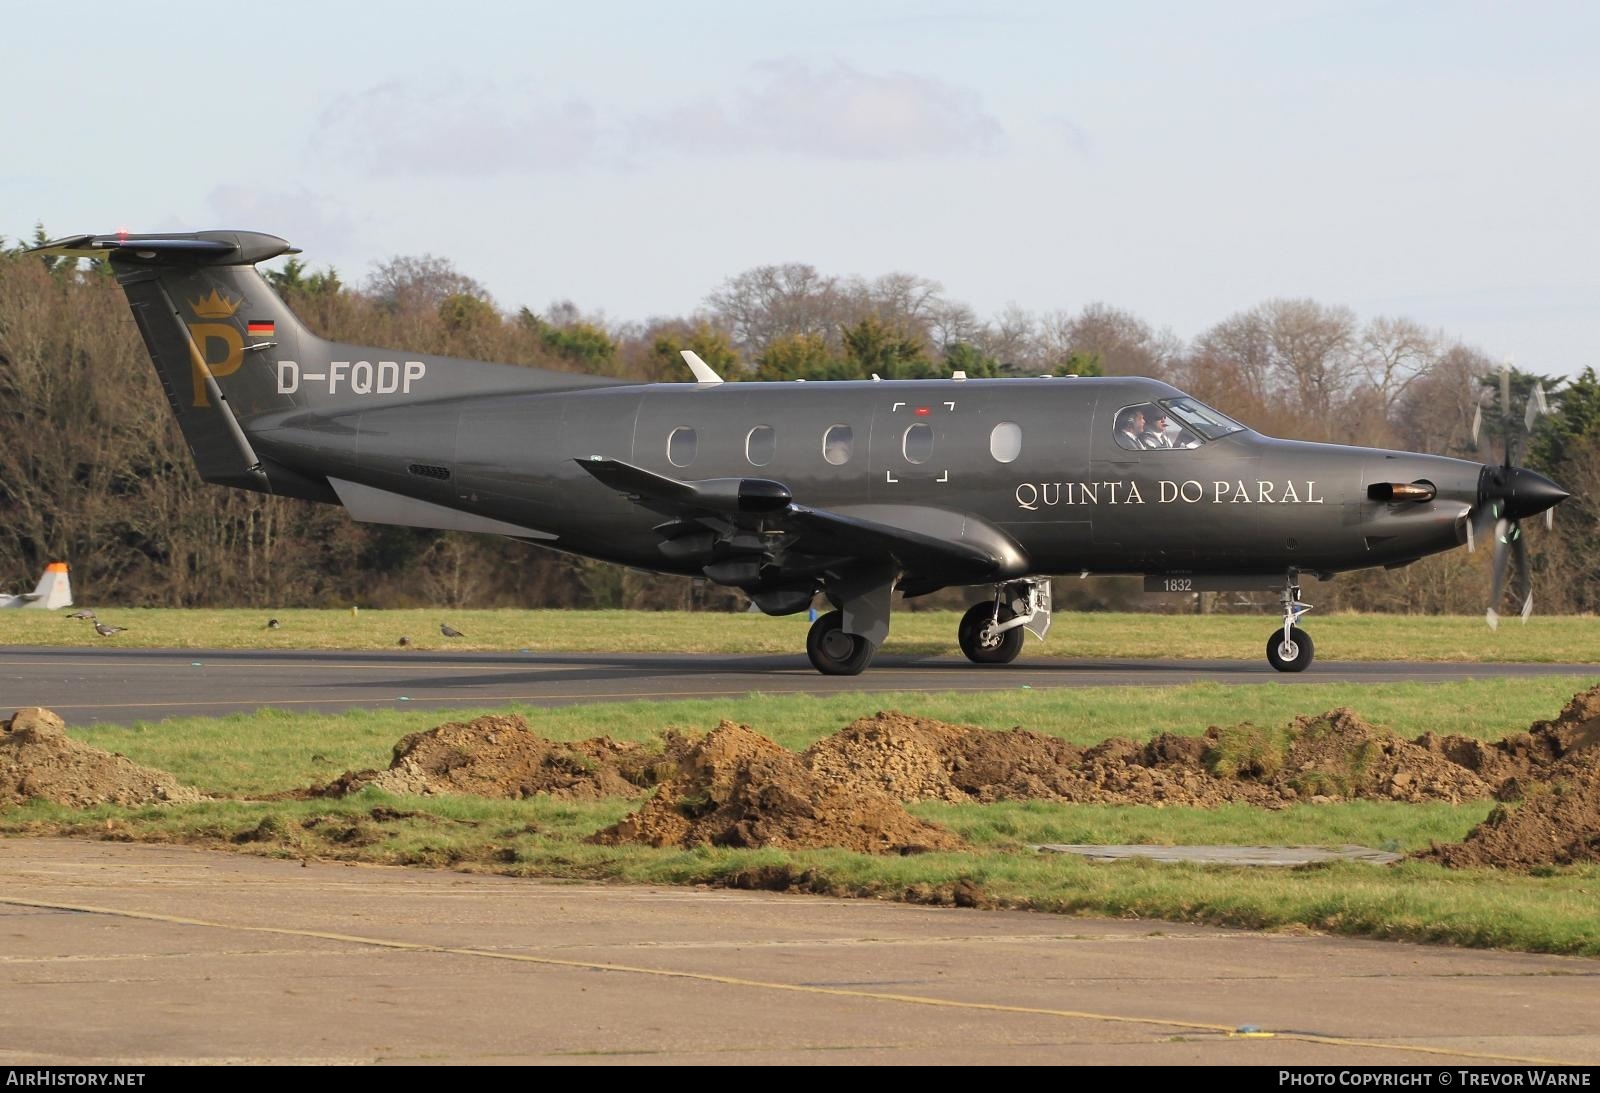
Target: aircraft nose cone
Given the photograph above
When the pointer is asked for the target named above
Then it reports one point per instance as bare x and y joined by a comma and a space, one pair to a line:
1527, 493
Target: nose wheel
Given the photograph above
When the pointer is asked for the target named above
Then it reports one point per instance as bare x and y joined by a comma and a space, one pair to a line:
1289, 651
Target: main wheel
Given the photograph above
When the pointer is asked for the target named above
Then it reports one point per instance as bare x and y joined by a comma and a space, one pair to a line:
1293, 655
994, 648
832, 651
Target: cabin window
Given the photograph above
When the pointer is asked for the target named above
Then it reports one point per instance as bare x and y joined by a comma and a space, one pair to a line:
917, 444
681, 446
761, 445
836, 444
1005, 442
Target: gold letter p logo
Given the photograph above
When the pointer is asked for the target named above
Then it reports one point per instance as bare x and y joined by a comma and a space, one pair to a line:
201, 336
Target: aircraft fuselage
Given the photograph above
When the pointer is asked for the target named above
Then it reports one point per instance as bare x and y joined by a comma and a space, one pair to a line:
1070, 497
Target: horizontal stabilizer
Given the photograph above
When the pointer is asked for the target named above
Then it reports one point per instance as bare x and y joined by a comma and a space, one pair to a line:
226, 248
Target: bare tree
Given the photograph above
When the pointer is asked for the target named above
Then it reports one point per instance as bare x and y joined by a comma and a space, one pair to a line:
1392, 354
420, 282
1121, 343
761, 304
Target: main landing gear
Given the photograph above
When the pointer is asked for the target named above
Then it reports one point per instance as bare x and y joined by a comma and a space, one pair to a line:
1288, 649
842, 642
834, 652
991, 633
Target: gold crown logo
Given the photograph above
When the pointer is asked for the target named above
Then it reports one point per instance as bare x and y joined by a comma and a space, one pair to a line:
215, 306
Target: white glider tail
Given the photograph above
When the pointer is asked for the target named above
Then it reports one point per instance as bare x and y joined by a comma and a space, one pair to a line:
54, 590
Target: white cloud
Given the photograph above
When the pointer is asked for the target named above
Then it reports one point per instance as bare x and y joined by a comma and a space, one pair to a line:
831, 112
394, 128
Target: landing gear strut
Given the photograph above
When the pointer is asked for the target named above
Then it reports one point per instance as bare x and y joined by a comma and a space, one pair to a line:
1288, 649
991, 633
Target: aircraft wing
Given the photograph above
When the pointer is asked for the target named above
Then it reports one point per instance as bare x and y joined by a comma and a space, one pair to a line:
750, 532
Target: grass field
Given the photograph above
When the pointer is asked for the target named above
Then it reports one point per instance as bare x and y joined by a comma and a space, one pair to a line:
1557, 639
246, 756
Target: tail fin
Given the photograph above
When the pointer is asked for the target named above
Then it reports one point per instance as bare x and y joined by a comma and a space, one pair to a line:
231, 355
54, 589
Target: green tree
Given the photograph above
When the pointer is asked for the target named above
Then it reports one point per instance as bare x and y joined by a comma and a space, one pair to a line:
872, 347
1080, 364
1575, 418
797, 357
961, 357
462, 313
578, 341
709, 342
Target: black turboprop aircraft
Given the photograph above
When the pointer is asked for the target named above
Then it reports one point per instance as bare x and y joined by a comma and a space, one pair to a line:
854, 489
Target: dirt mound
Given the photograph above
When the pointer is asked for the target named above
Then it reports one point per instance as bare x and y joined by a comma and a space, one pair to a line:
903, 757
736, 788
1330, 756
1526, 756
499, 756
1337, 754
1553, 814
38, 760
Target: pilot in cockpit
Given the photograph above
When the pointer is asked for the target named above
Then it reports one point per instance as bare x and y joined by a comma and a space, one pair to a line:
1155, 432
1130, 427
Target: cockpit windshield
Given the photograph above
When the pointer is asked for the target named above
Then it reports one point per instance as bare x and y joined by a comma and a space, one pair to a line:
1200, 419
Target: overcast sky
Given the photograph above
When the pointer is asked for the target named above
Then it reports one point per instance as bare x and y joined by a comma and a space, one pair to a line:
1183, 161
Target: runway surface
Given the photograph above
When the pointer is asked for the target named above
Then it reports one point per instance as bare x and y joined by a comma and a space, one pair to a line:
124, 685
125, 955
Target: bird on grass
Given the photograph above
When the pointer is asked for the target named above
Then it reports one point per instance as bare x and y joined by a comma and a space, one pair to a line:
450, 631
273, 624
108, 631
403, 640
84, 614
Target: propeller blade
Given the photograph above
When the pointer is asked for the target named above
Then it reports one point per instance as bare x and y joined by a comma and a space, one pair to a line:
1536, 406
1477, 423
1492, 617
1497, 567
1519, 551
1550, 519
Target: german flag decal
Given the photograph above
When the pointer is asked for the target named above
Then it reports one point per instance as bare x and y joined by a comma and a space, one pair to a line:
261, 328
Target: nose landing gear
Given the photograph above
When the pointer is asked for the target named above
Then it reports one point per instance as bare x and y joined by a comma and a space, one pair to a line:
1289, 650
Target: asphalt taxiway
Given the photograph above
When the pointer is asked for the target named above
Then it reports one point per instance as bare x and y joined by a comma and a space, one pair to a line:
123, 685
125, 955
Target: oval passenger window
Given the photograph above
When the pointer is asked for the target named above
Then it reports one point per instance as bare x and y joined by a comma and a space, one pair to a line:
681, 446
836, 444
760, 445
1005, 441
917, 445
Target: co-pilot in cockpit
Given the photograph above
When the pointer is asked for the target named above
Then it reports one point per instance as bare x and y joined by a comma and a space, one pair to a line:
1170, 423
